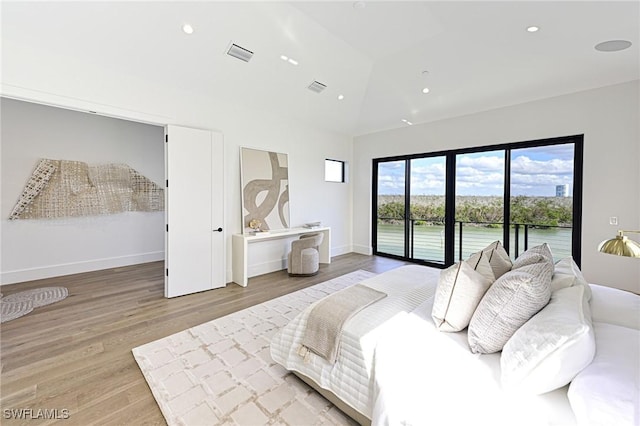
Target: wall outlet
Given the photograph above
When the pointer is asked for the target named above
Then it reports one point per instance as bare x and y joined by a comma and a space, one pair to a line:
613, 220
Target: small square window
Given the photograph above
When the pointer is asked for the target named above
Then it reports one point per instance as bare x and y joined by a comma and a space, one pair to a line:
334, 171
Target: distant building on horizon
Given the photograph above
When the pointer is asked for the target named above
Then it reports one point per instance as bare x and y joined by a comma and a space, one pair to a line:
562, 190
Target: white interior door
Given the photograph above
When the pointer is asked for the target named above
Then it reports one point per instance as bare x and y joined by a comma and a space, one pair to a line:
195, 244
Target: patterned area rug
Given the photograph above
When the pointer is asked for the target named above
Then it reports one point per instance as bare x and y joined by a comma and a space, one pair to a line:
18, 304
221, 372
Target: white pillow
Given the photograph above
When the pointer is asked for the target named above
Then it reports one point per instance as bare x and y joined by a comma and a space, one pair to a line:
566, 274
534, 255
607, 391
460, 289
510, 302
498, 258
552, 347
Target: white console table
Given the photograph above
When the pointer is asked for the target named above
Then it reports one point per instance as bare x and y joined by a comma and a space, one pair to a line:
241, 243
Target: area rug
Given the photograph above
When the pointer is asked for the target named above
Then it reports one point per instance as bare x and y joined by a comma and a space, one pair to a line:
221, 372
18, 304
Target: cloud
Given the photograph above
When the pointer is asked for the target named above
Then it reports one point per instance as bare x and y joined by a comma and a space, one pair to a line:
548, 152
536, 173
486, 163
525, 165
428, 179
540, 184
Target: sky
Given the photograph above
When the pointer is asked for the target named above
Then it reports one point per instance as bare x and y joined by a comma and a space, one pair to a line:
534, 172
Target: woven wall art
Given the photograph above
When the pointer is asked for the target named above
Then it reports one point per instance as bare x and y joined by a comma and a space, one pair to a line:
60, 188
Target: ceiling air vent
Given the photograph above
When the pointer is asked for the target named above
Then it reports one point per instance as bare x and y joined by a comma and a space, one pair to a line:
240, 52
317, 87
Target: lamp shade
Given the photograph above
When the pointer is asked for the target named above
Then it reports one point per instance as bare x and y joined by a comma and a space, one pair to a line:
620, 246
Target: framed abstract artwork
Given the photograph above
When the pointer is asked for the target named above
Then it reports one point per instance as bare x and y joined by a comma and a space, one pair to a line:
265, 190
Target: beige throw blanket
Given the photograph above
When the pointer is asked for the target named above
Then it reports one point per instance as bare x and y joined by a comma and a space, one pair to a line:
327, 317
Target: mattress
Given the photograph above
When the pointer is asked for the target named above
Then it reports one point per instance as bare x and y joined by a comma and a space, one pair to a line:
351, 377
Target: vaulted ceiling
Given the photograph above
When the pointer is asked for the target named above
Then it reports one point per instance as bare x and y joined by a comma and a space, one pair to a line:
379, 55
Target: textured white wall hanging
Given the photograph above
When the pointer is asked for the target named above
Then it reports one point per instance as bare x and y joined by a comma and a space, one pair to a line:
60, 188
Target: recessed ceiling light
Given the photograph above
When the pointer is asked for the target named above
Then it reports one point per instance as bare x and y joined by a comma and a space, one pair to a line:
425, 90
533, 29
288, 59
187, 29
340, 97
613, 45
359, 5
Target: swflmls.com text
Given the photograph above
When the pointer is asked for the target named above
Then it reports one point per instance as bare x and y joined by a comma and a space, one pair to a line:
33, 414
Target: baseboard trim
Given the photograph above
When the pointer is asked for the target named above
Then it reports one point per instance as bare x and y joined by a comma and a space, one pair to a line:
274, 265
22, 275
337, 251
266, 267
362, 249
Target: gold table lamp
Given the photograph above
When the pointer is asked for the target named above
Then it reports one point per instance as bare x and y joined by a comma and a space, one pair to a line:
621, 245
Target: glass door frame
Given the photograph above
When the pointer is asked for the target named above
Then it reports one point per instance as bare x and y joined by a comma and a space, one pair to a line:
450, 183
449, 209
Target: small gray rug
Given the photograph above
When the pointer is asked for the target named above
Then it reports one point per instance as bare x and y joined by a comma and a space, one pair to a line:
221, 372
18, 304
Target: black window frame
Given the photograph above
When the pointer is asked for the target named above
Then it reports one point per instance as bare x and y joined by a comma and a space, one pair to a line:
343, 166
450, 183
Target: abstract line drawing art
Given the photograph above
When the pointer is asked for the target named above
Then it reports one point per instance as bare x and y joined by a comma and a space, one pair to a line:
265, 189
61, 189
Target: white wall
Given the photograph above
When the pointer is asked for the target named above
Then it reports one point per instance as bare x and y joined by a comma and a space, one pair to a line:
73, 83
608, 118
33, 249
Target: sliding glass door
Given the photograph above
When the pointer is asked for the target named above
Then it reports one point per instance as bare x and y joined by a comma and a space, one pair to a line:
541, 198
391, 208
479, 209
427, 207
410, 208
440, 207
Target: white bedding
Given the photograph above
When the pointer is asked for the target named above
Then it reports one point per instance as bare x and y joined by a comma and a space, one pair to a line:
351, 377
416, 385
403, 371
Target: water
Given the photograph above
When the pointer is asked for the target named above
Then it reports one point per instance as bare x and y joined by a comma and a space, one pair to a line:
429, 240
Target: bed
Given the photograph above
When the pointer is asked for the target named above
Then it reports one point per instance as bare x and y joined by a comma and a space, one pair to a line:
395, 367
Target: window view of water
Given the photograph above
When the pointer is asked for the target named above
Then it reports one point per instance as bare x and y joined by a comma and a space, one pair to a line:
527, 188
428, 242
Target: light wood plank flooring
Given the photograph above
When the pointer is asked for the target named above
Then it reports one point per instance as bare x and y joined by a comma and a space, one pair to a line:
76, 354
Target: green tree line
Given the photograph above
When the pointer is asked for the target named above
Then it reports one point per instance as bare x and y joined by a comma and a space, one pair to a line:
543, 211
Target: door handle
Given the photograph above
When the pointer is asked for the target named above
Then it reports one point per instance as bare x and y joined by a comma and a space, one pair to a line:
217, 230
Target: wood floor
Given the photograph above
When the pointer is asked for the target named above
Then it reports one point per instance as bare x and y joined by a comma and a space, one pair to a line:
76, 355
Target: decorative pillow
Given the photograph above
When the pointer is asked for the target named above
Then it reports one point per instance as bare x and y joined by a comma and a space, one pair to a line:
480, 262
498, 258
607, 391
566, 274
534, 255
510, 302
460, 288
552, 347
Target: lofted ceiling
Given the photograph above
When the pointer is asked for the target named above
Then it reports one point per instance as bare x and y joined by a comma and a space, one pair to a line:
379, 55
